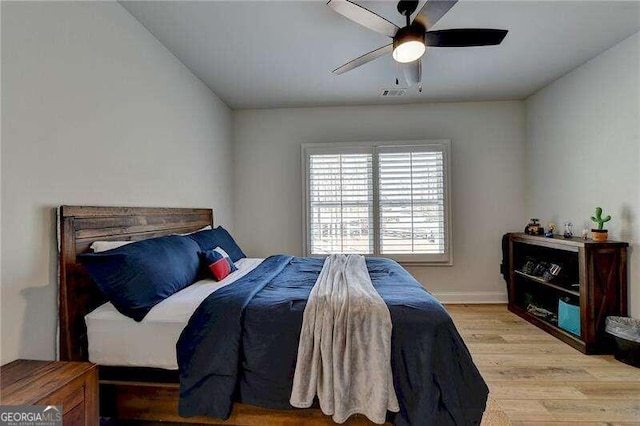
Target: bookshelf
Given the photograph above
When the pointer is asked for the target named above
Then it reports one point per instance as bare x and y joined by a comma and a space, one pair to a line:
593, 277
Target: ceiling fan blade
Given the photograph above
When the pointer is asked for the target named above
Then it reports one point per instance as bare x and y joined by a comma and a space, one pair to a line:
432, 11
367, 57
413, 72
465, 37
364, 17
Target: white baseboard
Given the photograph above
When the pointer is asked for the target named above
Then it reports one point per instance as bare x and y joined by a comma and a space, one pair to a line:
471, 297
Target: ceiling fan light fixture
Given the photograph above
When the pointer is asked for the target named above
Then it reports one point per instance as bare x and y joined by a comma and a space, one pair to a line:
409, 44
409, 51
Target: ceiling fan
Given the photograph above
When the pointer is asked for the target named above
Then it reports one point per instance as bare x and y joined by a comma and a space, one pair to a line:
410, 42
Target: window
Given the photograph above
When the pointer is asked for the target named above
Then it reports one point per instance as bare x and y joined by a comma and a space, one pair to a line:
386, 199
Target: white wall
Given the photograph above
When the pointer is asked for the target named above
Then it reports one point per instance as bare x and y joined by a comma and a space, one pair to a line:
95, 111
583, 149
487, 179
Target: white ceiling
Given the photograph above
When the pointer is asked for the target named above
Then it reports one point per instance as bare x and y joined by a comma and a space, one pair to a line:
268, 54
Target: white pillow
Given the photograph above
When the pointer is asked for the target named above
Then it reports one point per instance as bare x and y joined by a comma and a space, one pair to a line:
206, 228
99, 246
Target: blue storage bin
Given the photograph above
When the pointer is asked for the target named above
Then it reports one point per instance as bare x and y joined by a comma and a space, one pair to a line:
569, 317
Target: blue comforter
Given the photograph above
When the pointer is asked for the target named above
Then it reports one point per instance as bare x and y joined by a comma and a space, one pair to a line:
242, 341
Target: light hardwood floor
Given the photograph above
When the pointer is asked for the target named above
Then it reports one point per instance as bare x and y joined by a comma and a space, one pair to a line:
539, 380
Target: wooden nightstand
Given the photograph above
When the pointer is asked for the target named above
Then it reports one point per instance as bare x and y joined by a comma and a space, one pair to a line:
74, 385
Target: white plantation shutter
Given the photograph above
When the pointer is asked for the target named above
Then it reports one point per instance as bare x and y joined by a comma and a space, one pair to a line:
384, 199
412, 200
340, 203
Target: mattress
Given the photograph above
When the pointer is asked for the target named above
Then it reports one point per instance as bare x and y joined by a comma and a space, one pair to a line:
117, 340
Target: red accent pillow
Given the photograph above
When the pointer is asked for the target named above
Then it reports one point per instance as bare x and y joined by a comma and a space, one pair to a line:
218, 263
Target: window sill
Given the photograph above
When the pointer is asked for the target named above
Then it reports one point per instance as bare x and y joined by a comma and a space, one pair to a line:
401, 261
423, 263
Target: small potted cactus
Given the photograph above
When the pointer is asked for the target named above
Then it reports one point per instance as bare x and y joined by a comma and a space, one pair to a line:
600, 234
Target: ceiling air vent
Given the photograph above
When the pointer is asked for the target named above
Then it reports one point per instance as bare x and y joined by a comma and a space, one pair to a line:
393, 93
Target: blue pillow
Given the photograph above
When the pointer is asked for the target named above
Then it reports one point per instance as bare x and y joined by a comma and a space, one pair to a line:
138, 276
219, 237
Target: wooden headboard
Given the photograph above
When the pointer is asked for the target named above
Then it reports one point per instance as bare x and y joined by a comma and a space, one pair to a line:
79, 227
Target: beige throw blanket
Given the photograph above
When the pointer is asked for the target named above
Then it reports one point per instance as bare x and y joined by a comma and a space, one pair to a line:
344, 355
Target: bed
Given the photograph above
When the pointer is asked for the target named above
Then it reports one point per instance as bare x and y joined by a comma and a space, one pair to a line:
143, 384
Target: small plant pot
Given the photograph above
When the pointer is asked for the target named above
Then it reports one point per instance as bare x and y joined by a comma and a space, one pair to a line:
599, 234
